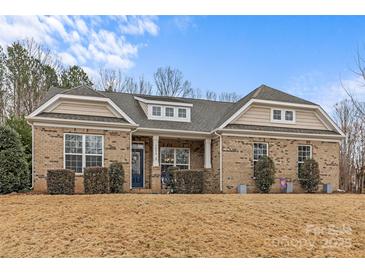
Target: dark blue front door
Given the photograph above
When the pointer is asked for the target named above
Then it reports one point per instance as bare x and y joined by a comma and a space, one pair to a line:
137, 167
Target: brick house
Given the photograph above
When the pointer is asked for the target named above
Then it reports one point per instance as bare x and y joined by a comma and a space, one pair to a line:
81, 127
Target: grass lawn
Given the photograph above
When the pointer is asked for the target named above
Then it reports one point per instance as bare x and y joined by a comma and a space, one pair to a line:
298, 225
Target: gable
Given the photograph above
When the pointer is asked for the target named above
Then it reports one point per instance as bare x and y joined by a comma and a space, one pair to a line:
67, 106
260, 114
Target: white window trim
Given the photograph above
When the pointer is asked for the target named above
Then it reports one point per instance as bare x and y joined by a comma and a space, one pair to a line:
173, 112
174, 148
302, 162
154, 106
186, 113
83, 150
253, 154
283, 121
163, 116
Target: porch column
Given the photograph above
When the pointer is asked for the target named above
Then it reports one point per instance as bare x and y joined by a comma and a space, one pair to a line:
155, 169
207, 153
156, 161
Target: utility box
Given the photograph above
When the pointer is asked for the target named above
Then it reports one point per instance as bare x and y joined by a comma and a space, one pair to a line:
327, 188
242, 189
289, 187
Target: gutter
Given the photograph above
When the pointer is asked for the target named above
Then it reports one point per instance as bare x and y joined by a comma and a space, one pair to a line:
32, 152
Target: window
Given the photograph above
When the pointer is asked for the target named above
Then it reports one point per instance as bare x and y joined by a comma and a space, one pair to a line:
289, 116
156, 111
179, 157
304, 153
276, 114
169, 112
83, 151
259, 150
282, 116
182, 112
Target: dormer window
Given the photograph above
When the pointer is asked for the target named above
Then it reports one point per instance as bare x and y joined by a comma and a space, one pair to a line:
282, 116
156, 111
182, 113
169, 112
165, 110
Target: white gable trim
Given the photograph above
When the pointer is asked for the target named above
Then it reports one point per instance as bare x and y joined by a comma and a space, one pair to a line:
55, 98
250, 102
157, 102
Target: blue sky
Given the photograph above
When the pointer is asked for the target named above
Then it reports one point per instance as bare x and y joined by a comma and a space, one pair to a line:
303, 55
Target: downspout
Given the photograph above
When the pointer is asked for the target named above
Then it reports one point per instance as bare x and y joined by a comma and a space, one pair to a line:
130, 157
32, 153
220, 161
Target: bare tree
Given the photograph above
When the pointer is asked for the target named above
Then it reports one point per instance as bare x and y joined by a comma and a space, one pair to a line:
30, 71
352, 148
170, 82
211, 95
228, 97
142, 86
3, 84
111, 80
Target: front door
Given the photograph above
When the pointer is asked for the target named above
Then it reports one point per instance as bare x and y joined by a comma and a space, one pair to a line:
137, 165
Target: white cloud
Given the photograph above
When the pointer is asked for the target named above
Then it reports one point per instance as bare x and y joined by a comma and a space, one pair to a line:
136, 25
91, 42
314, 87
183, 23
67, 58
81, 26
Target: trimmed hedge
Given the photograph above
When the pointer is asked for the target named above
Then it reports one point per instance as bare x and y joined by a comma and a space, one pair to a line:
60, 181
187, 181
96, 180
116, 177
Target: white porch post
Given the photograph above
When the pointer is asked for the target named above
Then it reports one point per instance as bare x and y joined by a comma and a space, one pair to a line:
156, 161
207, 153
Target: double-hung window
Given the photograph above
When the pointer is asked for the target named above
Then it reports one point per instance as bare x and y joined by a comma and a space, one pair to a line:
259, 150
304, 153
169, 112
283, 116
156, 110
83, 151
178, 157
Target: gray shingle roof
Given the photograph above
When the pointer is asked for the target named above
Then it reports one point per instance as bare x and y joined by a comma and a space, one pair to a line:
81, 117
281, 129
206, 115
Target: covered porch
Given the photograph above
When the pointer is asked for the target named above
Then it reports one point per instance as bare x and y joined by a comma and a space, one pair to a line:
152, 155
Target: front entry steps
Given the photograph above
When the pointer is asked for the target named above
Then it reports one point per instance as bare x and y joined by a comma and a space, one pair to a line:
141, 190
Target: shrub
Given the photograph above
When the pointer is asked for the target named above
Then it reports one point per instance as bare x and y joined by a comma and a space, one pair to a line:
116, 177
96, 180
60, 181
167, 181
187, 181
265, 174
309, 175
14, 172
20, 125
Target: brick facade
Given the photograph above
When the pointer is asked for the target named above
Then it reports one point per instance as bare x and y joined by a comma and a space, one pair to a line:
49, 148
238, 161
237, 156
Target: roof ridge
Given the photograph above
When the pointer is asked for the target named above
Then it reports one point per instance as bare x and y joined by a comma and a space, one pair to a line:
172, 97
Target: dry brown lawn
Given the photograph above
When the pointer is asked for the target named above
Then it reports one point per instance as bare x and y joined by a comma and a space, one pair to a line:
298, 225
